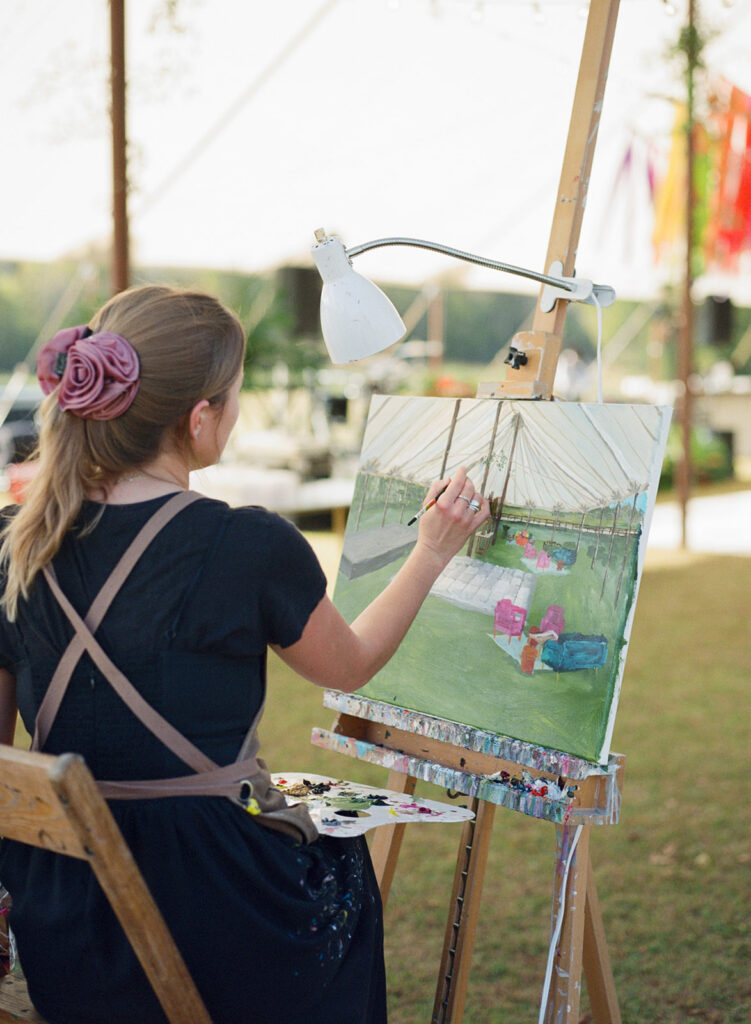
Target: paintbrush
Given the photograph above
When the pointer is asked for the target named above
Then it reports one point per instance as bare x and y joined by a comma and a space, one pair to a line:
425, 508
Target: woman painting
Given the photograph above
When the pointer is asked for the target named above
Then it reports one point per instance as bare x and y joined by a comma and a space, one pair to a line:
135, 617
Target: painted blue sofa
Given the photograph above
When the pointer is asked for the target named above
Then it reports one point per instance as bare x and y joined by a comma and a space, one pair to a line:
573, 651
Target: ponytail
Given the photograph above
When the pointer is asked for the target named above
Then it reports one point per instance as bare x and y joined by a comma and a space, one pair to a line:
52, 501
189, 348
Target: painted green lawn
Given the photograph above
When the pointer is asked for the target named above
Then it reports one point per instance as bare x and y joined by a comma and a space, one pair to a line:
450, 667
674, 876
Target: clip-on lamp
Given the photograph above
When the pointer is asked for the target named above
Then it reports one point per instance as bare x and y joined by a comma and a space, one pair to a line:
359, 320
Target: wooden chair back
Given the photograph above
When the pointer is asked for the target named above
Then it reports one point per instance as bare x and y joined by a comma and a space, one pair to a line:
53, 802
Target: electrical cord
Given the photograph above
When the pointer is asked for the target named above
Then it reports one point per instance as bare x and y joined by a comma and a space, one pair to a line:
598, 307
558, 926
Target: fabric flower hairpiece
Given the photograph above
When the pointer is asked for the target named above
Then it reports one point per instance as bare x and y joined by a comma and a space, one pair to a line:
97, 374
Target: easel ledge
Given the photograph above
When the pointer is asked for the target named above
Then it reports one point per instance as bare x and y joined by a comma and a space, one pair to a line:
466, 760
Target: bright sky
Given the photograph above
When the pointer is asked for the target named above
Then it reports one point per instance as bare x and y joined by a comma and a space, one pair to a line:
438, 119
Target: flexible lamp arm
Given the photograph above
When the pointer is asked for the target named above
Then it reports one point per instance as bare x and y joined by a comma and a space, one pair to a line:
358, 320
468, 257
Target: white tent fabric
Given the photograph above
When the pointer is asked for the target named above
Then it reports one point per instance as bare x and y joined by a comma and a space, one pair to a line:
554, 455
257, 123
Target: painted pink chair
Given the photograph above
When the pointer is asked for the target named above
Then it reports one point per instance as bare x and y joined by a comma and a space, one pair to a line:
509, 618
543, 560
553, 619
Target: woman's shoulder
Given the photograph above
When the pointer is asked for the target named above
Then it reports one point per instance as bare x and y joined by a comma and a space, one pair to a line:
256, 517
249, 524
256, 546
261, 529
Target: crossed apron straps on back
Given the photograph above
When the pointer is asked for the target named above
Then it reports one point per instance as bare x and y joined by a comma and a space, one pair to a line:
246, 781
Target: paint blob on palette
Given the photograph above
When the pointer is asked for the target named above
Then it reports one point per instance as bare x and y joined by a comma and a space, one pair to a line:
340, 808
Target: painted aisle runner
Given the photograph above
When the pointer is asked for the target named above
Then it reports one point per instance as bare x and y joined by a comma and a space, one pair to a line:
346, 809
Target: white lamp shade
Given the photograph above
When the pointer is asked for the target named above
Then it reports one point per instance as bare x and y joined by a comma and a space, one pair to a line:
357, 319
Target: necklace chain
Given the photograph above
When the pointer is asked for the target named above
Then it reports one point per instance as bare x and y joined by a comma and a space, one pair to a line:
142, 472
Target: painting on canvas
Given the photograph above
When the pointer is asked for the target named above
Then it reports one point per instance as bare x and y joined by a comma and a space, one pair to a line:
526, 631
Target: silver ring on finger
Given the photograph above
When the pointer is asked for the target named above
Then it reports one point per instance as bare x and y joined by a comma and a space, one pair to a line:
475, 505
464, 498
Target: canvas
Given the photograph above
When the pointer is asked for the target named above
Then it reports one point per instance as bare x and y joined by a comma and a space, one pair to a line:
525, 633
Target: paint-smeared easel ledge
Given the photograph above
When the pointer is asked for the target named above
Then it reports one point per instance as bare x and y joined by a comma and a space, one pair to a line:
464, 736
541, 783
345, 809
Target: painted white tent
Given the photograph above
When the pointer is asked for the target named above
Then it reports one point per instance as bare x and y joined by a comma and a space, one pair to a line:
549, 455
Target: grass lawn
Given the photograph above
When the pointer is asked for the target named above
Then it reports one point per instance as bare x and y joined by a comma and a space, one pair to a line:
674, 876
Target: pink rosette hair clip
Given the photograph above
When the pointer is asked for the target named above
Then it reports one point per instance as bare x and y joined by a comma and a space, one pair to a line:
97, 374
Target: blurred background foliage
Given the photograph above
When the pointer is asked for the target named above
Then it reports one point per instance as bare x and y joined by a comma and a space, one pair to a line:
279, 312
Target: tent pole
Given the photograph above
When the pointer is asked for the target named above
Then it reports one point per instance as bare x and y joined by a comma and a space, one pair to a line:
508, 466
597, 539
450, 438
581, 527
616, 510
487, 468
365, 478
625, 551
685, 341
120, 242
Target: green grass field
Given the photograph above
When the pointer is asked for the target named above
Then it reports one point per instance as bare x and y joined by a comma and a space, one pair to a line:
674, 876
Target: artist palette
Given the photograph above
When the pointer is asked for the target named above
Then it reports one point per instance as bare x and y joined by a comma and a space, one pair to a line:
340, 808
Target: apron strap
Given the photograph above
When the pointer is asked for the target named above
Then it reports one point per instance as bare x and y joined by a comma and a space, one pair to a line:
226, 780
246, 780
59, 682
148, 716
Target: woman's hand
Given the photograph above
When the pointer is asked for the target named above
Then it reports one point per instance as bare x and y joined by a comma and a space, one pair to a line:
445, 528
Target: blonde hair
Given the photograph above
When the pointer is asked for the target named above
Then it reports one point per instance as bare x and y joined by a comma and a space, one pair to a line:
190, 348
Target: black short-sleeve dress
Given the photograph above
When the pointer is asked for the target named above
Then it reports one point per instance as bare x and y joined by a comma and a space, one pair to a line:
273, 931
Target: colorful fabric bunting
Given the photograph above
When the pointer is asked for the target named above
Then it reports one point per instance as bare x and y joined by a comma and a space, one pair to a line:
722, 186
729, 228
668, 235
670, 202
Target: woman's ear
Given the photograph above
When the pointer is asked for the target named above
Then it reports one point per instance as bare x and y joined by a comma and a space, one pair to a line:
196, 418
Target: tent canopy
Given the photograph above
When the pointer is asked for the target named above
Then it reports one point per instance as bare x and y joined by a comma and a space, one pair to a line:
567, 457
258, 123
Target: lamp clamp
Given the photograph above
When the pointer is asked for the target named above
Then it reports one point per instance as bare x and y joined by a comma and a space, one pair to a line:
574, 289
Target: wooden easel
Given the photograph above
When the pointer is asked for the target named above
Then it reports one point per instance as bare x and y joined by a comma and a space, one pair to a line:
377, 734
418, 752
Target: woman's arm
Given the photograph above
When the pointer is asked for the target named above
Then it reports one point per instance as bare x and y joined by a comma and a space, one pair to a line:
331, 653
8, 708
